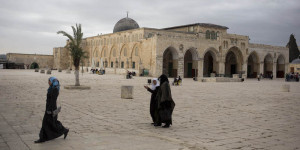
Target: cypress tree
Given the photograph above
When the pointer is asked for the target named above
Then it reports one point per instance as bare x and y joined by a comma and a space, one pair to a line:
293, 48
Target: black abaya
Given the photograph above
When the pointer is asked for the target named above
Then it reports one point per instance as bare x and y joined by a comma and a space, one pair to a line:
51, 127
153, 103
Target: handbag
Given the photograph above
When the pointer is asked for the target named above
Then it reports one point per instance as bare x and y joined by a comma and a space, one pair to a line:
57, 110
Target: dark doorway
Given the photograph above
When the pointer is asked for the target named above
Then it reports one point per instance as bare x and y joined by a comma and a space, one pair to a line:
34, 65
170, 61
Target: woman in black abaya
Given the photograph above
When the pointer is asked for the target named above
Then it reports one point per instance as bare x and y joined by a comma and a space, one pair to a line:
51, 127
165, 102
153, 102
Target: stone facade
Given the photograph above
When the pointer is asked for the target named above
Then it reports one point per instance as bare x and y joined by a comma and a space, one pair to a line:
62, 58
43, 61
186, 51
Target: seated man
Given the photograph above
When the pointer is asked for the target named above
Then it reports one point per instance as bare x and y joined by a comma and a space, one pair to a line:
179, 81
175, 81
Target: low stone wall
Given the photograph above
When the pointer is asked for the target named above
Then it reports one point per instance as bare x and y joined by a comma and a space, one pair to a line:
221, 79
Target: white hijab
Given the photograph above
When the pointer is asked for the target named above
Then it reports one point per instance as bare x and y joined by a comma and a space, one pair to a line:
153, 87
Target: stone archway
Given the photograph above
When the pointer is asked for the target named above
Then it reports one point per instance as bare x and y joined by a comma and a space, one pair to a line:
280, 67
170, 62
268, 66
34, 65
209, 63
233, 62
190, 63
252, 65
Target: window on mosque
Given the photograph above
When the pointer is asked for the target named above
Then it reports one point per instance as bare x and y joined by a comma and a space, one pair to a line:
111, 64
207, 34
97, 65
105, 63
133, 65
213, 35
136, 51
122, 64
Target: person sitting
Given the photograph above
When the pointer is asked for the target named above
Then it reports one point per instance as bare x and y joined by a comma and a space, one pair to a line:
175, 81
129, 75
179, 80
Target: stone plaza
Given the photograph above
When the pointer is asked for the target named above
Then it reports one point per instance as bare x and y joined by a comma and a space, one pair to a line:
208, 115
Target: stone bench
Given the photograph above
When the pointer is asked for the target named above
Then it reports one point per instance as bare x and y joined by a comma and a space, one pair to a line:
48, 71
36, 70
42, 71
285, 88
127, 92
59, 70
235, 76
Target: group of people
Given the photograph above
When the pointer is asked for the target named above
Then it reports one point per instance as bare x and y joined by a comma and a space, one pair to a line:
130, 74
177, 80
292, 77
96, 71
260, 76
161, 108
161, 103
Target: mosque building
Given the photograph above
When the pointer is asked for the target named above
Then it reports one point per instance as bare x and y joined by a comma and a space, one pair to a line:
192, 50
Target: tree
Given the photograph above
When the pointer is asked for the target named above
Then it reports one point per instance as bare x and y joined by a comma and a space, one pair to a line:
74, 45
293, 48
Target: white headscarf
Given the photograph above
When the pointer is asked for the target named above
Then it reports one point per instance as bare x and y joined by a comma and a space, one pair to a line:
153, 87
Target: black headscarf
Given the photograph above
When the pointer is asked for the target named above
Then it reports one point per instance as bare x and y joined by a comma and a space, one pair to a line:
163, 78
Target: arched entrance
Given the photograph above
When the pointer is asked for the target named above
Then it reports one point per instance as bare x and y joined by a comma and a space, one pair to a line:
34, 65
252, 65
170, 62
268, 66
280, 67
209, 64
233, 62
190, 63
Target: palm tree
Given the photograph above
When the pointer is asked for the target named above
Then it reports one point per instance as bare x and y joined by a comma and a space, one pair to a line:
74, 45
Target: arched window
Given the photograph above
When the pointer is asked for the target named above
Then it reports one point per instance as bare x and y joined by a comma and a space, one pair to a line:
136, 51
122, 64
213, 35
207, 34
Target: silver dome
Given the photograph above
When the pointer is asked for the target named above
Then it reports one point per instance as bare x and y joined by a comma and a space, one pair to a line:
125, 24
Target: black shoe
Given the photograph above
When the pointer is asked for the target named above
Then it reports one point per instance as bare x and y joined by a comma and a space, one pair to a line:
66, 133
39, 141
166, 126
157, 124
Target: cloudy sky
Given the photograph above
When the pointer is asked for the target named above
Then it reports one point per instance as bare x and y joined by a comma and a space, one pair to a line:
30, 26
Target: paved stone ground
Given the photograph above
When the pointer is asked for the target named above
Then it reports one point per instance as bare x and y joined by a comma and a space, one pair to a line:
207, 116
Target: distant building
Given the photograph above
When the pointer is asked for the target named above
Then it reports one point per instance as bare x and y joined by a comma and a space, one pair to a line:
29, 61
